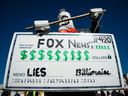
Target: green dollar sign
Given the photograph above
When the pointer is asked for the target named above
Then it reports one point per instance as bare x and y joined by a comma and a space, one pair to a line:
79, 55
32, 53
41, 53
65, 55
49, 53
86, 53
57, 55
23, 54
73, 55
108, 47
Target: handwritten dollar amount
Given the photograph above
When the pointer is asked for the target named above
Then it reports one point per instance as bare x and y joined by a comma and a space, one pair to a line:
56, 55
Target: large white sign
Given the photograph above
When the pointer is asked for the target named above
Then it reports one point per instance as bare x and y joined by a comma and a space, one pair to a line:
58, 61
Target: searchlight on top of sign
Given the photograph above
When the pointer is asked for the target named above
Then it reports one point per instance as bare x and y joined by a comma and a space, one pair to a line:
60, 61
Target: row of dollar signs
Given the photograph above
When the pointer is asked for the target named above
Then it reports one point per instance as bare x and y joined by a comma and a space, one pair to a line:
23, 54
72, 55
86, 54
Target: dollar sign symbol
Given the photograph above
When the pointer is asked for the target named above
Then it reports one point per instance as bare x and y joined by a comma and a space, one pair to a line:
72, 54
49, 53
86, 55
41, 55
79, 55
57, 55
65, 55
23, 54
32, 53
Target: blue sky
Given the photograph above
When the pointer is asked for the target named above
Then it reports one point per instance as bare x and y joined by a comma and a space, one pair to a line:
15, 15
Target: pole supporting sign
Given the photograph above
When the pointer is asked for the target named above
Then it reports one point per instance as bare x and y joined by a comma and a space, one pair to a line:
60, 61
